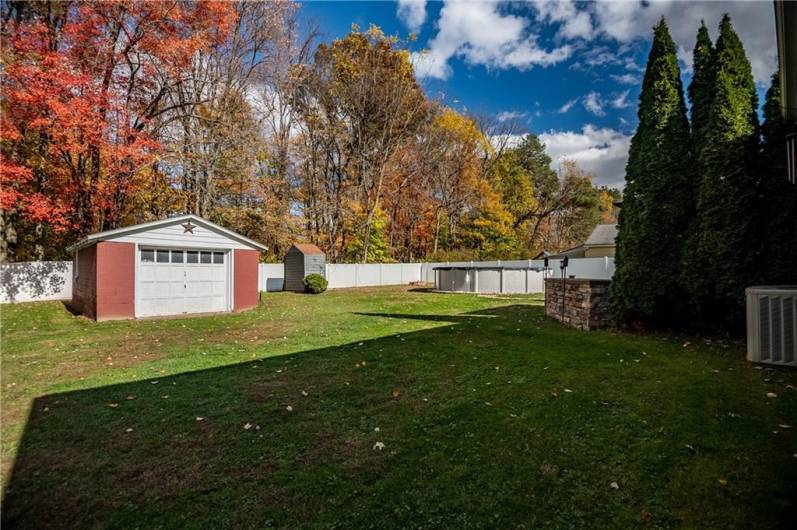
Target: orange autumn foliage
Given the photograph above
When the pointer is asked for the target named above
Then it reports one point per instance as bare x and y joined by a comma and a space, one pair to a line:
81, 94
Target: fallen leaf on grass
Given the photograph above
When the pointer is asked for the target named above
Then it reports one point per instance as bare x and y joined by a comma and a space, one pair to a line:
289, 408
614, 485
645, 516
247, 426
396, 392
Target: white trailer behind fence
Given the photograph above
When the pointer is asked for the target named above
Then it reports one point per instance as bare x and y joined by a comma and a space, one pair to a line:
52, 280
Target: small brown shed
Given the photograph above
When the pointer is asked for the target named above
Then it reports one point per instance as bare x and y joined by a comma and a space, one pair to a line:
300, 260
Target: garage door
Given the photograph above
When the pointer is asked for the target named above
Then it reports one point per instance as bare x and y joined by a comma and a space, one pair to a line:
175, 281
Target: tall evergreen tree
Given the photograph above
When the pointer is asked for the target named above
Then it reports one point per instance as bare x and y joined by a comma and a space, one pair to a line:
777, 197
702, 86
654, 214
722, 252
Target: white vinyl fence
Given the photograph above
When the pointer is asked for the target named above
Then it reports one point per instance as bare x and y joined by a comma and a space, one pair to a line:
52, 280
35, 280
342, 275
593, 268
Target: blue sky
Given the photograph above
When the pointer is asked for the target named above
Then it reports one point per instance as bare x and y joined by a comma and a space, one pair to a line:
569, 71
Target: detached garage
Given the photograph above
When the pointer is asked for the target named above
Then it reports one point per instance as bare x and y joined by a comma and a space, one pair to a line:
181, 265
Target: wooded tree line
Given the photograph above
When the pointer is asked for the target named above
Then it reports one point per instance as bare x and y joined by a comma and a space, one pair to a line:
707, 207
116, 113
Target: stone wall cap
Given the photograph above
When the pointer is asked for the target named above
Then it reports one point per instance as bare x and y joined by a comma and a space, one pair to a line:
579, 280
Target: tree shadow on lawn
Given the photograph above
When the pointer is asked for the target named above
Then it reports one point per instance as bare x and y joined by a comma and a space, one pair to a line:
477, 428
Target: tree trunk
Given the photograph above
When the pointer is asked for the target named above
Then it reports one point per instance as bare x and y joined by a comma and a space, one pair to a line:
436, 232
8, 236
368, 221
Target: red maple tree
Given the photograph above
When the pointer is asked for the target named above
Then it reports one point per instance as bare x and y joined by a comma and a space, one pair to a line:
83, 91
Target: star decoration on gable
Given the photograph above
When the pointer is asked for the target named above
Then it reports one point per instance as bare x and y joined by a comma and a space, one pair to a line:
188, 228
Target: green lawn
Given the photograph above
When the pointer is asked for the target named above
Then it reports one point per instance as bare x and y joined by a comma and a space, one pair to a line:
487, 415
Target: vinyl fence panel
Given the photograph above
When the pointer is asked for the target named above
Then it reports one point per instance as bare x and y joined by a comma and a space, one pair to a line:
52, 280
271, 277
36, 280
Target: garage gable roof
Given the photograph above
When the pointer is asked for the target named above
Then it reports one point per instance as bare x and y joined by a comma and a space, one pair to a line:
143, 227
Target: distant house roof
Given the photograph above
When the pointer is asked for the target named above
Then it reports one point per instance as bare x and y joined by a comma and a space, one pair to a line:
575, 252
308, 248
602, 235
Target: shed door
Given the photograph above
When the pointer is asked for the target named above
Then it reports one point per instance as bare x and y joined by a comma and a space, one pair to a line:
177, 281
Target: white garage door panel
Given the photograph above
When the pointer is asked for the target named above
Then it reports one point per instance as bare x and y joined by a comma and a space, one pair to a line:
179, 287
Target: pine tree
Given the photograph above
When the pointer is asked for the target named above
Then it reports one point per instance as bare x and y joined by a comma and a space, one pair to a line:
722, 251
777, 197
654, 214
702, 86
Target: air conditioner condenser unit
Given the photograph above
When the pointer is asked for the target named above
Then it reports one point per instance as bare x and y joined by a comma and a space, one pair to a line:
772, 324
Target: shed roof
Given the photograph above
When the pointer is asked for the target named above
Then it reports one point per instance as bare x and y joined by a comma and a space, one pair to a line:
119, 232
602, 235
308, 248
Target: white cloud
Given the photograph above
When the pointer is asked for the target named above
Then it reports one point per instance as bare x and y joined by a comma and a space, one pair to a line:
412, 13
602, 55
574, 23
602, 152
621, 101
593, 103
506, 141
567, 106
509, 115
481, 35
754, 22
492, 34
626, 79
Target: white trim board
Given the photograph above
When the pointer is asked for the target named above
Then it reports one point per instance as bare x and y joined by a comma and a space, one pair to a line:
162, 236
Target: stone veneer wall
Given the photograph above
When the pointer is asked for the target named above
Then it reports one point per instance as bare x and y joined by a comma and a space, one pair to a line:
586, 302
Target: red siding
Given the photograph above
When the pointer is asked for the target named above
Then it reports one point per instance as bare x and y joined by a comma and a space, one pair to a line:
245, 269
116, 278
84, 287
